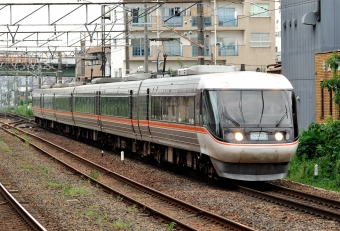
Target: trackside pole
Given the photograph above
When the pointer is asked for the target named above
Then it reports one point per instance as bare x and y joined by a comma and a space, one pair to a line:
122, 156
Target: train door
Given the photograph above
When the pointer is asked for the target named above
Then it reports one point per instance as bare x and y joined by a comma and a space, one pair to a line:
42, 105
54, 100
72, 107
148, 109
98, 109
132, 112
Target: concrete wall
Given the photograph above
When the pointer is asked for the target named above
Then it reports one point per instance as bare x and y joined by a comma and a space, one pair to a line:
299, 45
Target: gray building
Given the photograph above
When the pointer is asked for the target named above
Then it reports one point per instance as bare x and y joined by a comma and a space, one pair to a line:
308, 27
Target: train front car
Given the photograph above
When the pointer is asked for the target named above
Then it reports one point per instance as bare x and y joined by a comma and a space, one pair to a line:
249, 125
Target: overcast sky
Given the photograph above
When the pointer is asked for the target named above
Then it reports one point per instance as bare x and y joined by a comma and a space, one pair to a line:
41, 17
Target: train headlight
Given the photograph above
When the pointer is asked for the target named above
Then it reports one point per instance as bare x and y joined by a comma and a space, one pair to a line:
230, 136
238, 136
278, 136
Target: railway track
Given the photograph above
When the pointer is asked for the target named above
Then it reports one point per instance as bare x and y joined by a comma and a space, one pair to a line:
151, 202
308, 203
13, 216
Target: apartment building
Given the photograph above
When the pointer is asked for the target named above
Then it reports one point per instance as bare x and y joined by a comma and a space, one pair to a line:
235, 33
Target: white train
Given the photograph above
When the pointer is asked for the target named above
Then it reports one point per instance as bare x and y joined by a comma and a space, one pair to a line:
238, 125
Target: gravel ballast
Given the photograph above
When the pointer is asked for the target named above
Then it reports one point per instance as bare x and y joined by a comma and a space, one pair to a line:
97, 210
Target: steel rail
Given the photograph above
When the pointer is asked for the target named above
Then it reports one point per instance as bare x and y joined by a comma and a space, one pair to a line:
29, 219
179, 224
306, 196
290, 203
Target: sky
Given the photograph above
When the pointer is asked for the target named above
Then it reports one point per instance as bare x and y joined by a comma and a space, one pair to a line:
39, 22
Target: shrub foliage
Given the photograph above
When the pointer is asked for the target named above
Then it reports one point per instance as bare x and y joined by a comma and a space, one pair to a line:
320, 145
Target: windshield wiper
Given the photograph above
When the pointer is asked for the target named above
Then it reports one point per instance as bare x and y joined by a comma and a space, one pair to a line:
280, 121
231, 119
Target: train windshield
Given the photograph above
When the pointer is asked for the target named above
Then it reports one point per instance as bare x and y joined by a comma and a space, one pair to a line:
246, 108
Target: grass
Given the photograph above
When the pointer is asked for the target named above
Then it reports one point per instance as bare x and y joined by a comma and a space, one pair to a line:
94, 175
6, 149
70, 191
22, 111
119, 198
121, 224
302, 170
27, 143
54, 184
133, 208
26, 165
100, 219
171, 226
43, 170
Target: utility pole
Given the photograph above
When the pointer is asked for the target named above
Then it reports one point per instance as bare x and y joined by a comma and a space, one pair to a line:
26, 92
200, 32
146, 41
103, 41
127, 56
59, 72
39, 76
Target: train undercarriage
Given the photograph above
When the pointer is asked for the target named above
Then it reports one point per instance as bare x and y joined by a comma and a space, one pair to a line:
161, 155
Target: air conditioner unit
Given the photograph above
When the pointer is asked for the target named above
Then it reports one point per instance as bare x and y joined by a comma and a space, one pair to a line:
190, 32
87, 63
219, 44
185, 33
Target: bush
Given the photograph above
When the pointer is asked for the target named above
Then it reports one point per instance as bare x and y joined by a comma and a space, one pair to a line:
320, 145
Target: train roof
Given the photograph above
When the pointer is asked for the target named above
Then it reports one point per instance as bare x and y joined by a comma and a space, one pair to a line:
244, 80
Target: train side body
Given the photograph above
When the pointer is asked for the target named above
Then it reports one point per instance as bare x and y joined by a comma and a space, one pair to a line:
185, 120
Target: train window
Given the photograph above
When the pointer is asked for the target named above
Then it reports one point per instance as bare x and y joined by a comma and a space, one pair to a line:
36, 101
180, 109
48, 101
63, 103
248, 108
115, 106
84, 104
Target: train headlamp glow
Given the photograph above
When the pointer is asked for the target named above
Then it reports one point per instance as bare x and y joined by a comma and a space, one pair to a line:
278, 136
238, 136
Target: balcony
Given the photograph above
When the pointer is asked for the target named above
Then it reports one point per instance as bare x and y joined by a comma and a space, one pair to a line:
174, 50
139, 51
207, 21
228, 50
207, 51
227, 20
140, 21
174, 21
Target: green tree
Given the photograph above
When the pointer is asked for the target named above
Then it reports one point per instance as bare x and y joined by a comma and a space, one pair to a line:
334, 83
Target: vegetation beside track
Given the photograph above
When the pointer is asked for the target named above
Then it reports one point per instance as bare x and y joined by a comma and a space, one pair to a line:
21, 110
319, 145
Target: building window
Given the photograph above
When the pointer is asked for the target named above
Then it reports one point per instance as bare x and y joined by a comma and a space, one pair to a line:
259, 40
173, 48
175, 16
227, 17
138, 18
227, 47
259, 10
138, 47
